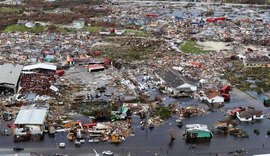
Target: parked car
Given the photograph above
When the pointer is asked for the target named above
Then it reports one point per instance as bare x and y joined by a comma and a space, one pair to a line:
18, 148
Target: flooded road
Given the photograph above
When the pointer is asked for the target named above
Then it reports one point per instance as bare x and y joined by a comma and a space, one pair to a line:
156, 142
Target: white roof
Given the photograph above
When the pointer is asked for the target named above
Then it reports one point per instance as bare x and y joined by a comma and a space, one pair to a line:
10, 74
40, 66
197, 127
31, 116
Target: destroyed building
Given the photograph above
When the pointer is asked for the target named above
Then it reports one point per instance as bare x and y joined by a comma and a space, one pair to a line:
9, 78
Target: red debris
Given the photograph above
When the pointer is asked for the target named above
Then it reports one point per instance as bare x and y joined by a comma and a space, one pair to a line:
60, 72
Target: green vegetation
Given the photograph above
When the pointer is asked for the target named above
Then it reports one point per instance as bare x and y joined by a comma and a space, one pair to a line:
92, 29
192, 47
127, 49
88, 113
249, 78
21, 28
164, 112
10, 10
136, 33
127, 53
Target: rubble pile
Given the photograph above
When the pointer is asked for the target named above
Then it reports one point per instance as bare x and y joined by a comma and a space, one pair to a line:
189, 111
121, 128
37, 83
102, 79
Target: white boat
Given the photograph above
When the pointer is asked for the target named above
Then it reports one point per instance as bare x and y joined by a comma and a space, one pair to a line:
109, 153
93, 140
62, 145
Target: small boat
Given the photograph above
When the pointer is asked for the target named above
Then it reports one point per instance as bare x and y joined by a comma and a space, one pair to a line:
151, 126
108, 153
91, 140
266, 101
62, 145
179, 122
77, 143
96, 140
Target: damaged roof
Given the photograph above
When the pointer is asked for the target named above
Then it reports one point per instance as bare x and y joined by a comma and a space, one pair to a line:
10, 73
170, 76
40, 66
32, 116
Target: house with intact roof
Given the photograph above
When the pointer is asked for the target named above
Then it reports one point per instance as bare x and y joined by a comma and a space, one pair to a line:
212, 97
249, 115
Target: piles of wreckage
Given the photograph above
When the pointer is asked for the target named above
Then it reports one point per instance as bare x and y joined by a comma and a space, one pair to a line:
58, 78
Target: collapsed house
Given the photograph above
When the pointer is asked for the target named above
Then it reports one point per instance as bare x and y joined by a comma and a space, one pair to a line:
255, 58
99, 109
257, 62
9, 78
38, 79
30, 121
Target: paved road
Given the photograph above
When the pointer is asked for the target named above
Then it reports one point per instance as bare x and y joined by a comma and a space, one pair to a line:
245, 99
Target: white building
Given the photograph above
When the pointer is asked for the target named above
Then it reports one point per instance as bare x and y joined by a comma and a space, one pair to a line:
211, 97
30, 121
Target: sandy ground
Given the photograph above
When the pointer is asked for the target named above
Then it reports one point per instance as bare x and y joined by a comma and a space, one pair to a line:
216, 46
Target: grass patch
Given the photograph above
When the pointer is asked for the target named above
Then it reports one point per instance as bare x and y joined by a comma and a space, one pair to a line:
126, 53
164, 113
128, 48
10, 10
92, 29
65, 30
161, 111
21, 28
192, 47
239, 75
136, 33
